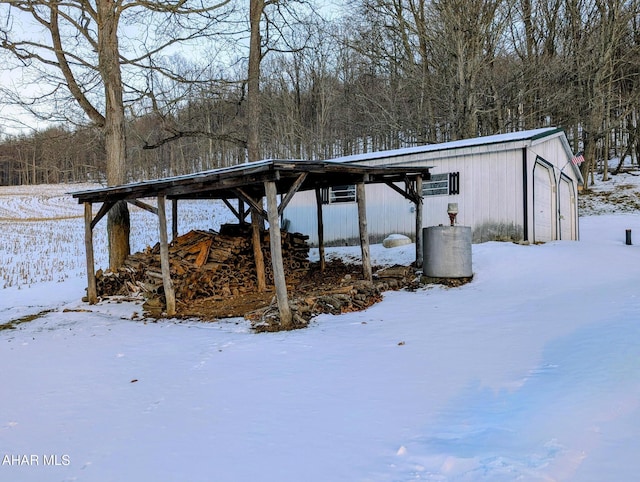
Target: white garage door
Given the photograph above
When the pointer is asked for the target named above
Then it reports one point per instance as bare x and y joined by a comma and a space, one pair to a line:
544, 218
567, 209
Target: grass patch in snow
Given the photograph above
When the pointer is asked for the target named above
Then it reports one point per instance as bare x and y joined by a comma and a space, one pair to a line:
11, 325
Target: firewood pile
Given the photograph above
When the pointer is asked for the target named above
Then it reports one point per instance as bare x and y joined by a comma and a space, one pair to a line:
214, 276
204, 264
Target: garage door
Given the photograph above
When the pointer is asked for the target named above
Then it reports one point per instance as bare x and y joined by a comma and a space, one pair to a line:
544, 218
567, 208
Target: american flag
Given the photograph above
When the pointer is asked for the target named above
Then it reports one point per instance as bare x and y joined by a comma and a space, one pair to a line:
578, 159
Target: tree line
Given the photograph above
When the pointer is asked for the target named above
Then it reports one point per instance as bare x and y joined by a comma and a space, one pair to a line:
380, 74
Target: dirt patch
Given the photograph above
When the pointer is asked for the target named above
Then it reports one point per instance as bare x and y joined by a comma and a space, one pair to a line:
214, 276
448, 282
339, 289
11, 325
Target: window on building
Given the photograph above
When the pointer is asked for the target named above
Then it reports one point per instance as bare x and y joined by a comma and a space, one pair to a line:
339, 194
444, 184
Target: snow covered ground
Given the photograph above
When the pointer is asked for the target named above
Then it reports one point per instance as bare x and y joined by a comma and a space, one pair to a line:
531, 372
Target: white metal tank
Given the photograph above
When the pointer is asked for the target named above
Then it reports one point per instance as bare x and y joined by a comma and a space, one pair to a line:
447, 252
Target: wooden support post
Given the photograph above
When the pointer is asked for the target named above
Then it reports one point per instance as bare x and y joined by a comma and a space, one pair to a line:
419, 205
364, 235
92, 294
276, 254
174, 219
258, 257
164, 257
241, 212
320, 230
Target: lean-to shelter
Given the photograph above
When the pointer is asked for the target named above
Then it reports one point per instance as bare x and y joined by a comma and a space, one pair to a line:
248, 184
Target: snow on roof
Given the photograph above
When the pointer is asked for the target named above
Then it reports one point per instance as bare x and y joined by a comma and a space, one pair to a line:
528, 135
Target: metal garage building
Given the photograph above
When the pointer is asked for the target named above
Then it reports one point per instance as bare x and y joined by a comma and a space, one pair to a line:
520, 186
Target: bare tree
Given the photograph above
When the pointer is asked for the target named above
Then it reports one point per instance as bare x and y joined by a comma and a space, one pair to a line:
256, 11
273, 25
466, 42
603, 62
83, 54
392, 74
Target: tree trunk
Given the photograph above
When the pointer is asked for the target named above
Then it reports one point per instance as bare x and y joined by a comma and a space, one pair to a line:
257, 226
118, 223
253, 83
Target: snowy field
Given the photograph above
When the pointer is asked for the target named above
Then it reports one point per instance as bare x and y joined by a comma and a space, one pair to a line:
531, 372
47, 221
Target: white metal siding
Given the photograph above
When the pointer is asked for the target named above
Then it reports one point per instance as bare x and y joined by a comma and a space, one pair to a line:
491, 199
543, 203
387, 212
567, 209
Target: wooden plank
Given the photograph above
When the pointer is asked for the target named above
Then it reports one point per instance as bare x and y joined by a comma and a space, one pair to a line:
364, 235
144, 206
219, 185
275, 244
419, 205
92, 295
320, 229
203, 254
164, 257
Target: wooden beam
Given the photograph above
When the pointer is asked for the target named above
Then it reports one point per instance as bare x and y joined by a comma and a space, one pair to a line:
144, 206
320, 229
92, 294
215, 183
411, 187
408, 194
251, 202
104, 209
292, 190
164, 258
174, 219
419, 205
241, 210
364, 235
232, 209
275, 243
